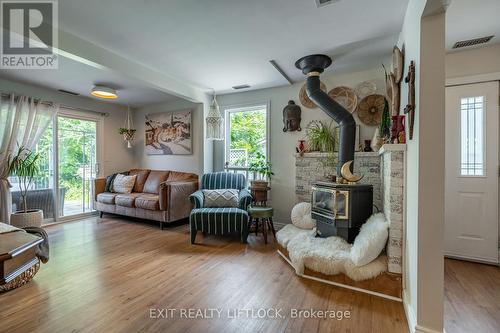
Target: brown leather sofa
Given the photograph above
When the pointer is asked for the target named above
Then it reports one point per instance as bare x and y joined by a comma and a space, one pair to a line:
157, 195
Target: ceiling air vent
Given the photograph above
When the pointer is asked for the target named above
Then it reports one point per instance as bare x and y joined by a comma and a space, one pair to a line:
68, 92
242, 86
321, 3
472, 42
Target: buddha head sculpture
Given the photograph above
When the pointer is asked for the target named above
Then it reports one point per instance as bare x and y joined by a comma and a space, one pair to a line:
291, 117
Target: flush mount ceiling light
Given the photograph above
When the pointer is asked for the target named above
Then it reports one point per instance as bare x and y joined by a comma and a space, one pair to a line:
104, 92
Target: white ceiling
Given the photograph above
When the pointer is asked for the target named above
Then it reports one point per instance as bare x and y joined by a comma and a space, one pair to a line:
80, 78
467, 19
221, 43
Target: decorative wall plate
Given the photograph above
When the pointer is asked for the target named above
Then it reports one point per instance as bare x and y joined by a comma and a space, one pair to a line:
304, 100
366, 88
397, 64
370, 109
345, 96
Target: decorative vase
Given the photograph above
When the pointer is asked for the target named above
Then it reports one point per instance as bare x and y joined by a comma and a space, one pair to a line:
377, 140
397, 126
367, 146
33, 218
301, 147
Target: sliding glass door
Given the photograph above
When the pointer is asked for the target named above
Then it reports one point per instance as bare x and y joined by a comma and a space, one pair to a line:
69, 158
77, 163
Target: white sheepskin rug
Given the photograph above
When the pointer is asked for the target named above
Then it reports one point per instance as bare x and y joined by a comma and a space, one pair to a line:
330, 255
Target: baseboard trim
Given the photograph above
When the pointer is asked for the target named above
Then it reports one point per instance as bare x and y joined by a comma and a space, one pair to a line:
410, 314
411, 319
488, 261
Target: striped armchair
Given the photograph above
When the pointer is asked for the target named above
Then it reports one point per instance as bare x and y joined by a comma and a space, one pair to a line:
220, 221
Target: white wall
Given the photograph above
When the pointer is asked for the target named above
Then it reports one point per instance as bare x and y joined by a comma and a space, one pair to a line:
483, 60
187, 163
423, 39
116, 157
283, 144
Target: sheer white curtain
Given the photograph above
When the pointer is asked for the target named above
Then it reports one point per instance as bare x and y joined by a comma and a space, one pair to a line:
22, 121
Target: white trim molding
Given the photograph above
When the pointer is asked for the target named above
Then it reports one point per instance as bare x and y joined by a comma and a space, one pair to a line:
411, 319
470, 79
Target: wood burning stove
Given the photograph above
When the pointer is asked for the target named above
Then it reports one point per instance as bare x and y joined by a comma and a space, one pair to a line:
341, 209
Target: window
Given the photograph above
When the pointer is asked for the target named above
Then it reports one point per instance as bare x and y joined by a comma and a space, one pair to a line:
472, 136
246, 135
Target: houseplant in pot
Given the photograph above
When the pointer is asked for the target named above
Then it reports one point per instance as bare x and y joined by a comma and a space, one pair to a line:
262, 172
25, 166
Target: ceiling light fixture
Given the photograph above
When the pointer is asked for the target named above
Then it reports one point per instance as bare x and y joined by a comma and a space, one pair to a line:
104, 92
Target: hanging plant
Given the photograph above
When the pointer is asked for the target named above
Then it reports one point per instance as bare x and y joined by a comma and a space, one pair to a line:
128, 132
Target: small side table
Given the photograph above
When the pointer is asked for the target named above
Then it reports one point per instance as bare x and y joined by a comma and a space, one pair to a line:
264, 216
259, 195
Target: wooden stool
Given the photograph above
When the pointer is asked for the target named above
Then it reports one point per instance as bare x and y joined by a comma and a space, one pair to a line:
264, 215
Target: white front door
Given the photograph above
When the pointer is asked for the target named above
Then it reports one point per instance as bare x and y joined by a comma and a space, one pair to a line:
471, 202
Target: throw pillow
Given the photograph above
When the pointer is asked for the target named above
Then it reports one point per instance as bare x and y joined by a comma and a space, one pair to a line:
110, 179
220, 198
371, 240
301, 216
124, 184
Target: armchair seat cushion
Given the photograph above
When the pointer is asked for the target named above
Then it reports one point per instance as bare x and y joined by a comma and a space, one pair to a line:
219, 221
148, 201
126, 200
106, 198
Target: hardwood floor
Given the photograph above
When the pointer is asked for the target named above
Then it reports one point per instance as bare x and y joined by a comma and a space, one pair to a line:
472, 297
105, 276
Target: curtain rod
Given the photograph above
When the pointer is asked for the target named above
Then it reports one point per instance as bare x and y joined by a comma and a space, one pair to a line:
104, 114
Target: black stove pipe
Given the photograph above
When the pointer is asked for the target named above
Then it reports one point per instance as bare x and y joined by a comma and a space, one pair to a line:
313, 66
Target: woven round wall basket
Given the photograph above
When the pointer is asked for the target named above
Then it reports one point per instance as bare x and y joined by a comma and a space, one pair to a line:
366, 88
345, 96
370, 109
304, 100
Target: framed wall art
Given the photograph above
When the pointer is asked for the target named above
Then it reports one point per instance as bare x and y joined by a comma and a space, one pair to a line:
169, 133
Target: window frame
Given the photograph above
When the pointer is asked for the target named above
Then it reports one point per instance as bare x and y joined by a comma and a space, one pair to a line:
242, 107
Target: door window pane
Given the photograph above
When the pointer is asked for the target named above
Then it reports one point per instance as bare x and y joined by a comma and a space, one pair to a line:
472, 136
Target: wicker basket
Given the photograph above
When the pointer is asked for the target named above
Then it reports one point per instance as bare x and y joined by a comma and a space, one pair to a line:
22, 278
33, 218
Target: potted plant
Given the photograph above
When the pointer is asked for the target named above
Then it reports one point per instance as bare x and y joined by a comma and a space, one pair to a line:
128, 135
262, 172
320, 137
25, 166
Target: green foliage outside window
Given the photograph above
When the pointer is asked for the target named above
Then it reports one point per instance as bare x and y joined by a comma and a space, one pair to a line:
248, 131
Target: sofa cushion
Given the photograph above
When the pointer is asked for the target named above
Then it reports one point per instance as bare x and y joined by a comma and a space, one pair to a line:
148, 201
106, 198
126, 200
174, 176
154, 180
140, 180
220, 198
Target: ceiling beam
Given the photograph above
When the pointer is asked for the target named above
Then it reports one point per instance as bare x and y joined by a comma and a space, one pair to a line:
85, 52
